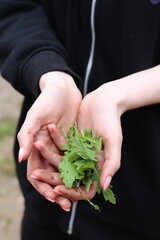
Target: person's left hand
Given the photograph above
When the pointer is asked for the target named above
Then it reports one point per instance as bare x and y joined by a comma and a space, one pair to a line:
100, 111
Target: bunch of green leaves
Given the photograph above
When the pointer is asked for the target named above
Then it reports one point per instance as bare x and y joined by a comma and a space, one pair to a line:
79, 163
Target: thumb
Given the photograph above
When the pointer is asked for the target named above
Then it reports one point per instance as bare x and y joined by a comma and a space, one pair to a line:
26, 136
111, 165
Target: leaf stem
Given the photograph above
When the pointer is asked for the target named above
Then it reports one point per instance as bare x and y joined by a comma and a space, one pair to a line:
96, 207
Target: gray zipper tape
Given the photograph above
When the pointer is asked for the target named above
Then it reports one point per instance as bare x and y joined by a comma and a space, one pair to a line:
91, 56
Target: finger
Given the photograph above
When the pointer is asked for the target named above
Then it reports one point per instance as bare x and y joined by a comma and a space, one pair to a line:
45, 139
101, 158
26, 147
52, 178
56, 135
27, 133
47, 191
48, 153
63, 202
43, 188
35, 161
112, 161
43, 180
38, 116
76, 194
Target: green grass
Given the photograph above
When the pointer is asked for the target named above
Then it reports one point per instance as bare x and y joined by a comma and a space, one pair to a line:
7, 128
7, 166
7, 133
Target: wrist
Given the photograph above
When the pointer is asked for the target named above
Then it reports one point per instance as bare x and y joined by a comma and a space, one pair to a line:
55, 79
139, 89
115, 95
136, 90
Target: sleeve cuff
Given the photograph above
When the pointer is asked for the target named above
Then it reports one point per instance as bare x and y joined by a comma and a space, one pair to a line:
41, 63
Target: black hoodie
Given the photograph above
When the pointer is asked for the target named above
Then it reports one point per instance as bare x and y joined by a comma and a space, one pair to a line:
40, 36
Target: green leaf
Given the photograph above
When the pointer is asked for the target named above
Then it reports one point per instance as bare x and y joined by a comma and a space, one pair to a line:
87, 182
96, 175
65, 147
68, 173
82, 165
90, 154
72, 156
109, 195
79, 163
87, 132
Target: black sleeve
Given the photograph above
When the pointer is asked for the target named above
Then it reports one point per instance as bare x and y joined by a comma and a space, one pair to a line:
28, 46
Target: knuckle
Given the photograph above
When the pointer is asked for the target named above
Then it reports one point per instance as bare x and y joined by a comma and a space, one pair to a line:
55, 177
29, 113
33, 182
45, 193
117, 166
31, 131
36, 186
114, 137
90, 195
19, 136
38, 172
29, 178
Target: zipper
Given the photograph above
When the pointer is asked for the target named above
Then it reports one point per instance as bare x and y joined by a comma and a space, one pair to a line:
86, 79
72, 217
91, 56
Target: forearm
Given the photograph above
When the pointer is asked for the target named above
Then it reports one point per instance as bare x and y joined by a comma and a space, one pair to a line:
136, 90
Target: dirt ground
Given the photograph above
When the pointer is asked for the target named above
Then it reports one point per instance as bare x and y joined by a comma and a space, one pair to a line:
11, 200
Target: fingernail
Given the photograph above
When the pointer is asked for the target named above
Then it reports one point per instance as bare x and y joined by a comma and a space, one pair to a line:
38, 146
20, 154
107, 182
50, 128
49, 199
34, 177
57, 192
66, 209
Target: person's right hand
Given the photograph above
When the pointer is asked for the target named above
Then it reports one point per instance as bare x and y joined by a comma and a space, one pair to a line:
58, 103
43, 173
42, 167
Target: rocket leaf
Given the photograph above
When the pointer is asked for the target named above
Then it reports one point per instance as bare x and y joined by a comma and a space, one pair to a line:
79, 163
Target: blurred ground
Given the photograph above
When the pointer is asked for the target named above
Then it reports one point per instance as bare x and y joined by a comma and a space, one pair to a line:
11, 201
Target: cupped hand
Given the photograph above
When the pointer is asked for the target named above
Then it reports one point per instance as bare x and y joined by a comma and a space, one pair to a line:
42, 169
100, 111
58, 103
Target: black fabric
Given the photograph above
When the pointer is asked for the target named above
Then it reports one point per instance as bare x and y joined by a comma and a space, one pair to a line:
32, 230
40, 63
34, 33
25, 32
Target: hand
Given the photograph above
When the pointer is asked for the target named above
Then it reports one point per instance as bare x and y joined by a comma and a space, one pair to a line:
100, 111
42, 172
74, 194
58, 103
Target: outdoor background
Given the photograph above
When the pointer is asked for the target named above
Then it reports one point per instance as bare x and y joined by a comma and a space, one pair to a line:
11, 200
